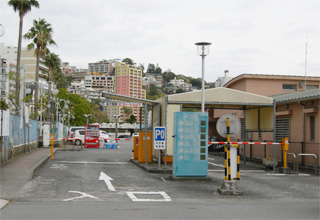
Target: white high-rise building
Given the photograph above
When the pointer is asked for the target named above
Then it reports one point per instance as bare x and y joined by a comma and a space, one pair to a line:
221, 81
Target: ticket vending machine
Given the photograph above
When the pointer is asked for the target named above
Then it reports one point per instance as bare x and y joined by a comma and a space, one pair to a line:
91, 136
190, 140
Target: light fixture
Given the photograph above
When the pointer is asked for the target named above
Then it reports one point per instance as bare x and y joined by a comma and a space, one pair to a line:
203, 50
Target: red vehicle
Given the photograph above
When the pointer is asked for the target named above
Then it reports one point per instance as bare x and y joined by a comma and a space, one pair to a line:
91, 136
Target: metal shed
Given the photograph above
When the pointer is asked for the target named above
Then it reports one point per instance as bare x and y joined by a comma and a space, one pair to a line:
259, 111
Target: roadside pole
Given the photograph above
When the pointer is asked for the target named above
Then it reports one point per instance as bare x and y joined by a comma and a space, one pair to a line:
51, 143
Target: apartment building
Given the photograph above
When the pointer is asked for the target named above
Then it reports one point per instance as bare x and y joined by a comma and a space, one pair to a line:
4, 79
104, 67
100, 82
29, 60
8, 57
88, 93
156, 76
221, 81
128, 80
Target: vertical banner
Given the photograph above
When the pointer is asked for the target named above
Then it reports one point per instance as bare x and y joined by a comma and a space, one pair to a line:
5, 119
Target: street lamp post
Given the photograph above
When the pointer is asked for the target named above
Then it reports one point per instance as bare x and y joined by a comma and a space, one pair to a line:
86, 116
117, 118
203, 50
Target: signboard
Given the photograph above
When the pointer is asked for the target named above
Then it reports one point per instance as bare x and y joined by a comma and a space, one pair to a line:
190, 151
124, 104
234, 126
159, 142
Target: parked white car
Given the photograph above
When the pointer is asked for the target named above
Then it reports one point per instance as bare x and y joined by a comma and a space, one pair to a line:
135, 135
72, 130
79, 137
103, 136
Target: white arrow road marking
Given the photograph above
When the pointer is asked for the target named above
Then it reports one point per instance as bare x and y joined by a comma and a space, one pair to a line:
107, 180
83, 195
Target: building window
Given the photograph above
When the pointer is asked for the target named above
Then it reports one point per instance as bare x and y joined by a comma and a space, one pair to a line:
292, 87
312, 128
282, 128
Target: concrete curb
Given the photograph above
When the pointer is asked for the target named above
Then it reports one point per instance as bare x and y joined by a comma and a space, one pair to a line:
149, 169
36, 167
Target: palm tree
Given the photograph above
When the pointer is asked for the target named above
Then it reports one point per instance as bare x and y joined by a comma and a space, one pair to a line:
52, 61
41, 35
23, 7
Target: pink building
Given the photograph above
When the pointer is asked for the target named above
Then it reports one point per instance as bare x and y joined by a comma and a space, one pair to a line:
297, 113
128, 82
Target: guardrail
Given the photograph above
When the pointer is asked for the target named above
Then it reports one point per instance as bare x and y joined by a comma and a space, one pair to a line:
313, 155
294, 161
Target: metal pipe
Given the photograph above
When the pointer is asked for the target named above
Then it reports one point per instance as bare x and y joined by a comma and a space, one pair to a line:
313, 155
274, 134
294, 160
202, 90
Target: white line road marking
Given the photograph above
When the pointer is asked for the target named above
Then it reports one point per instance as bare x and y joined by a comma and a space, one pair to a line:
107, 179
165, 196
276, 174
92, 162
58, 166
304, 174
241, 171
83, 195
217, 165
210, 158
163, 179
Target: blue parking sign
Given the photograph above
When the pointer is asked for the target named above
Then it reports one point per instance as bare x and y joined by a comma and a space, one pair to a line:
159, 138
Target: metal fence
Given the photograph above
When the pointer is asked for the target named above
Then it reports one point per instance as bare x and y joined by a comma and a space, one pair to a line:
20, 135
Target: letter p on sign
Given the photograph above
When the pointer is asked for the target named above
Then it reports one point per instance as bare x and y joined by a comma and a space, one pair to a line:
159, 138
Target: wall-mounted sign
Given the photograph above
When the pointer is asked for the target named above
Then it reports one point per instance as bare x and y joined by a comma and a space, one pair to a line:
124, 104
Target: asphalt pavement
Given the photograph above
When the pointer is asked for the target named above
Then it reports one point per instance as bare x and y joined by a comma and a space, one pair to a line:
107, 184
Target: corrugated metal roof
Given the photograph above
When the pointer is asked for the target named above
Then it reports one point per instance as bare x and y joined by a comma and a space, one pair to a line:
128, 98
221, 95
298, 96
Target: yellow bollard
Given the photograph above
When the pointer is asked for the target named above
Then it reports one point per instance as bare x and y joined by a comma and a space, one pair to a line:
51, 143
285, 150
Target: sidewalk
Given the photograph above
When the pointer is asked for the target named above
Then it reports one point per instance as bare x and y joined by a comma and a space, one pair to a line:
15, 173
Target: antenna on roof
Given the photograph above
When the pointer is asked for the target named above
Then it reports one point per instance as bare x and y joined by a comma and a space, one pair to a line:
305, 65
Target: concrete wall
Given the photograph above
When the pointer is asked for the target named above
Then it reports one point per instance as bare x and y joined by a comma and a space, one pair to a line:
17, 151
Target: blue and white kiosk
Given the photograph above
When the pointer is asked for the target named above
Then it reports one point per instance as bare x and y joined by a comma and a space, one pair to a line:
190, 140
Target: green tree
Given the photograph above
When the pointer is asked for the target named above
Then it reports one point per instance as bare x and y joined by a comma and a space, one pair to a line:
78, 106
3, 105
41, 36
151, 68
52, 61
168, 75
132, 119
179, 90
196, 82
158, 70
127, 111
128, 61
141, 67
23, 7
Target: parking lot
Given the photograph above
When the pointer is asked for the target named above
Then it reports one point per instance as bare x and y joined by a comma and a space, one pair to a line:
106, 178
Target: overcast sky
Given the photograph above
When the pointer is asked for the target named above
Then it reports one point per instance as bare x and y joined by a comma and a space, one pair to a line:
247, 36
